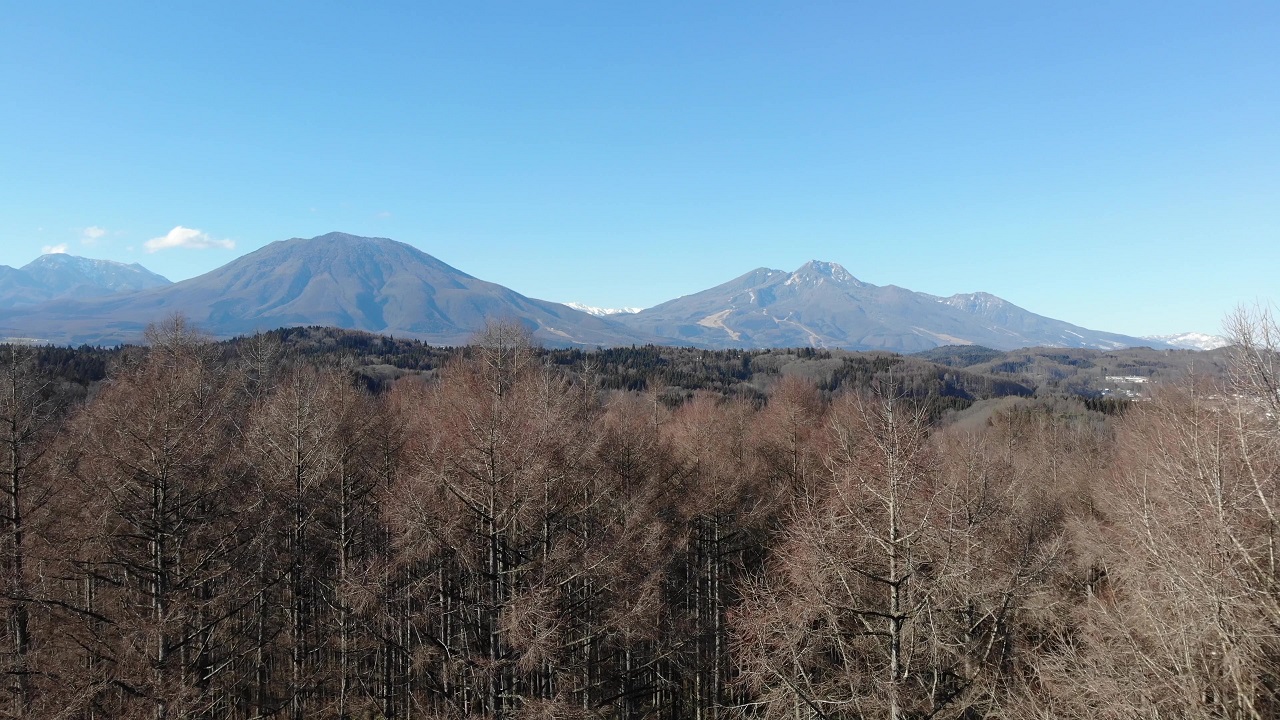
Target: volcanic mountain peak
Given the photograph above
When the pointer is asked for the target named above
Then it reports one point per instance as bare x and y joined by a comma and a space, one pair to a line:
815, 272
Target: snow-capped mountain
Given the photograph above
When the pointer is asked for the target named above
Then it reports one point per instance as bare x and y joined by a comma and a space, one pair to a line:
63, 273
1192, 341
62, 276
601, 312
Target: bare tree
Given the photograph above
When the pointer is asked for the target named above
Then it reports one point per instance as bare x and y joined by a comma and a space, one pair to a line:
1180, 616
1254, 370
161, 551
787, 431
831, 631
639, 469
310, 442
894, 589
27, 412
494, 519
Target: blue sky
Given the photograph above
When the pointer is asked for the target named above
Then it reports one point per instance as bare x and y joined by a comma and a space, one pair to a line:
1116, 165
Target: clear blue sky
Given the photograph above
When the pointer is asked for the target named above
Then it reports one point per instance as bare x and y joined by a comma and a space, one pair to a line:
1116, 165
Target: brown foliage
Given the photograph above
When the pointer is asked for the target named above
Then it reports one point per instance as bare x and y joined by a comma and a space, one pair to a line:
254, 538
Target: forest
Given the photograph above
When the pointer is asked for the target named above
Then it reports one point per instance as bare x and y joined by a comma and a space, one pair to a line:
268, 529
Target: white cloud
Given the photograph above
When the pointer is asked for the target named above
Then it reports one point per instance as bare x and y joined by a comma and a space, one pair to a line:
60, 249
181, 237
92, 234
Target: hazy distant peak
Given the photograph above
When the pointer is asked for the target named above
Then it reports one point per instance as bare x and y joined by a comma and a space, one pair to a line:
59, 275
61, 271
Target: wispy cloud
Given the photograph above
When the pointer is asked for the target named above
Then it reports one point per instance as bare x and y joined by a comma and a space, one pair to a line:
181, 237
92, 234
60, 249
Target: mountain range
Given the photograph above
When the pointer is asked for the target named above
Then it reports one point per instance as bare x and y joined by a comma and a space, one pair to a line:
822, 305
388, 287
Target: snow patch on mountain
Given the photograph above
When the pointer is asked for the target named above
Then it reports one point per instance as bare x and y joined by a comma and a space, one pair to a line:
1192, 340
601, 312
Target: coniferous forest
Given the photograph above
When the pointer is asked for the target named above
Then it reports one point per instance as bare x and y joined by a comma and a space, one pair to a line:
197, 530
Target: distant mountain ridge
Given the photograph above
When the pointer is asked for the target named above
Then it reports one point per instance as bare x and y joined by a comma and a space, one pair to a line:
388, 287
59, 275
823, 305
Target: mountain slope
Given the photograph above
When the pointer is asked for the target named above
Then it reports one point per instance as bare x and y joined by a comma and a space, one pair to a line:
18, 288
822, 305
372, 284
68, 276
1025, 325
